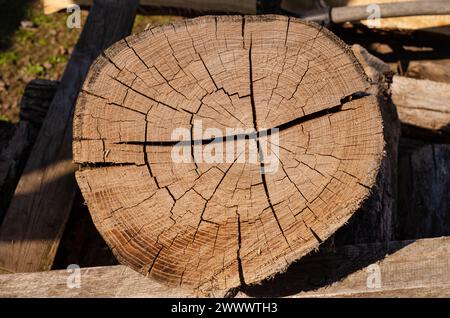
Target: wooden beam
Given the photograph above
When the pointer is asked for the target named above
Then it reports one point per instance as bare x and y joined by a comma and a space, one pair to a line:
422, 103
36, 99
405, 23
232, 6
35, 220
413, 268
424, 196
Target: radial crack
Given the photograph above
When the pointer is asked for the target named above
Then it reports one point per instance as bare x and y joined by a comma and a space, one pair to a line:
258, 146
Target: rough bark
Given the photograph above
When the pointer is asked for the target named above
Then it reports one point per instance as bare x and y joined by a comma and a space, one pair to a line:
223, 224
373, 222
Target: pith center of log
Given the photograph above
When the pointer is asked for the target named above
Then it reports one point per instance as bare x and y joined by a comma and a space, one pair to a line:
218, 150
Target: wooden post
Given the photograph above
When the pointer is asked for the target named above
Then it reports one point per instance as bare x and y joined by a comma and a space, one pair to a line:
216, 223
36, 99
36, 217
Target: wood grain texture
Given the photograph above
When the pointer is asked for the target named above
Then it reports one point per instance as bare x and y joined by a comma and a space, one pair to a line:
422, 103
35, 220
410, 269
217, 225
373, 222
393, 269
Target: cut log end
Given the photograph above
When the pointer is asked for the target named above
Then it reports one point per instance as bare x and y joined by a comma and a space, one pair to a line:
301, 146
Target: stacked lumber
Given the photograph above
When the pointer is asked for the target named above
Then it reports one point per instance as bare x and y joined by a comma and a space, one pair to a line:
416, 268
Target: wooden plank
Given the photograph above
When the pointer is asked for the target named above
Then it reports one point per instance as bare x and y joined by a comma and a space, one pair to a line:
434, 70
404, 23
108, 281
412, 268
36, 99
234, 6
35, 220
422, 103
424, 196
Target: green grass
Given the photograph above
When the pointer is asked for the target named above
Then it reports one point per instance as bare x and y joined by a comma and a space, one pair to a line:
41, 19
8, 57
56, 59
35, 69
23, 36
42, 42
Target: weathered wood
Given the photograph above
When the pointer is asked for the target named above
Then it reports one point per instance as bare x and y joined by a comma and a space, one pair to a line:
81, 242
422, 103
35, 220
403, 23
391, 269
220, 224
108, 281
36, 99
412, 269
7, 130
232, 6
434, 70
424, 197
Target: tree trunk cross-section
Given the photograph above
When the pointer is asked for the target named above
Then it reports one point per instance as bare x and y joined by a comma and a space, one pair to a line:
220, 224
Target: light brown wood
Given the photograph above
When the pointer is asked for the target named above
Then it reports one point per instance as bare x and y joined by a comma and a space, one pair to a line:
220, 225
422, 103
403, 23
434, 70
412, 269
36, 217
373, 222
